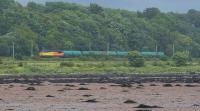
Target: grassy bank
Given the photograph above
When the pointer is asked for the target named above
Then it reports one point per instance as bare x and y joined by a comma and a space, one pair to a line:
66, 66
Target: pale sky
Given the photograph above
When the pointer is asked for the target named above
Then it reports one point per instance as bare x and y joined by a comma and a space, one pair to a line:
180, 6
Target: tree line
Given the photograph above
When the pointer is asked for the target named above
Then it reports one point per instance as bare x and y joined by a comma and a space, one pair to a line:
69, 26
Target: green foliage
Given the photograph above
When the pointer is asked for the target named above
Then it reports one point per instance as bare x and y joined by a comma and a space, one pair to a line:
67, 64
19, 57
151, 12
20, 64
181, 58
67, 26
155, 63
1, 62
159, 63
49, 66
135, 59
163, 58
96, 9
170, 63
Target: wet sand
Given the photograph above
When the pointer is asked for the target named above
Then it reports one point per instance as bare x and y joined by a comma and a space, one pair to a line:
102, 97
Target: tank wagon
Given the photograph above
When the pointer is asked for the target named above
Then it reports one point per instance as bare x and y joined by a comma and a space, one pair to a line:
95, 53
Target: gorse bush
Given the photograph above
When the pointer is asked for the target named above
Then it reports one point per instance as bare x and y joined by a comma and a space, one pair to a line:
135, 59
181, 58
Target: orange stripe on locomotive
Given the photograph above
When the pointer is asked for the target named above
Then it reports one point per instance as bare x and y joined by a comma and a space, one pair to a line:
51, 54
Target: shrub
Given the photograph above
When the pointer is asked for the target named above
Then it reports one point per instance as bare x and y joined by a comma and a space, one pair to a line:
169, 63
159, 63
163, 58
1, 62
155, 63
67, 64
181, 58
135, 59
20, 64
78, 65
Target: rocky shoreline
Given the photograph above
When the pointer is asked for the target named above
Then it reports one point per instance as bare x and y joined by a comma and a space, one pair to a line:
102, 78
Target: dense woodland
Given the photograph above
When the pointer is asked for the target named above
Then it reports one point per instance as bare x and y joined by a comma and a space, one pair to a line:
67, 26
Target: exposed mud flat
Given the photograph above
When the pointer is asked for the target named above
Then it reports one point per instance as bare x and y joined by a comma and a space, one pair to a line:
103, 92
99, 97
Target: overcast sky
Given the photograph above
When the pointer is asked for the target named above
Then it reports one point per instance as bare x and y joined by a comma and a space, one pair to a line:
180, 6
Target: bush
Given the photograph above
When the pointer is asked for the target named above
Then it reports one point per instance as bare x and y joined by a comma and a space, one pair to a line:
163, 58
155, 63
78, 65
1, 62
169, 63
20, 64
181, 58
135, 59
67, 64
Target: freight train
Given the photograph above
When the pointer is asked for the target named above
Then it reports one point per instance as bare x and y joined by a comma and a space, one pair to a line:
95, 53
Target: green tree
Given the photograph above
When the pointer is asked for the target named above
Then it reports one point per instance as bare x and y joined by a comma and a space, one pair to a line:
151, 12
194, 17
5, 4
24, 39
181, 58
68, 26
96, 9
135, 59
